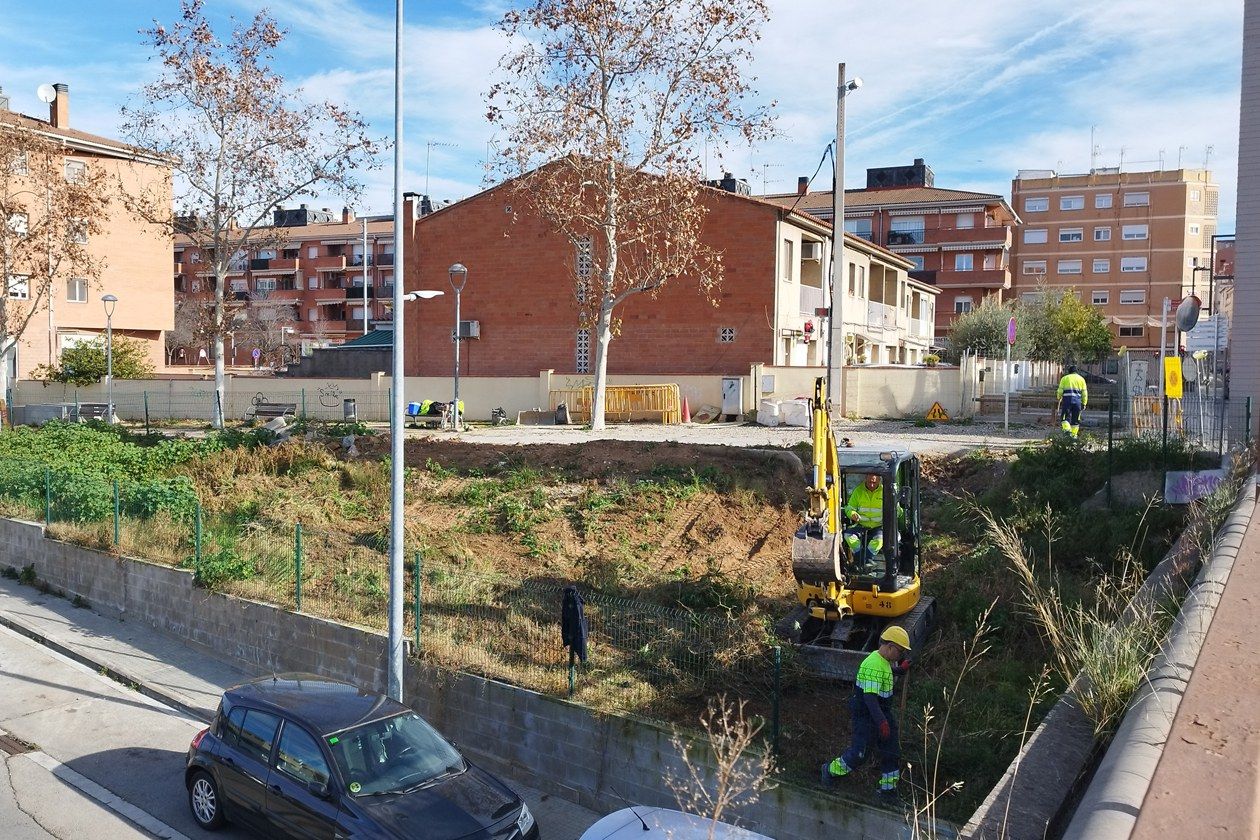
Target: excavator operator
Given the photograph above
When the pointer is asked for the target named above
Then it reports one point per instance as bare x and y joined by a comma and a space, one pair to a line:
865, 517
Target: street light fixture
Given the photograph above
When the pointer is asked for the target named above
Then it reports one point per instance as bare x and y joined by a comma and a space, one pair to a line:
835, 344
459, 276
110, 301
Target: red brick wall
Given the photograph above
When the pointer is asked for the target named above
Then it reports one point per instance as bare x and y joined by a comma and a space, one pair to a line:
520, 288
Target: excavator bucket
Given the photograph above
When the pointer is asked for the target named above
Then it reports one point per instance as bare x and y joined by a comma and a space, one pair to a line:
816, 554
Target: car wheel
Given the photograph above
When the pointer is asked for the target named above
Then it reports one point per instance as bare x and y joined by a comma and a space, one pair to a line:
203, 799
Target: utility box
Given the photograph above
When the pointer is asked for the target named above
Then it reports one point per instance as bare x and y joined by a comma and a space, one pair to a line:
733, 395
349, 410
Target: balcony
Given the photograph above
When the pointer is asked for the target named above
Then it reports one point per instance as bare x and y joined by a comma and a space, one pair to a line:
259, 265
989, 278
919, 328
881, 315
928, 277
384, 259
811, 300
914, 236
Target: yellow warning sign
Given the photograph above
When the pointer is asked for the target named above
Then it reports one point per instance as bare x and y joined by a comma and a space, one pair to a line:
1172, 377
937, 412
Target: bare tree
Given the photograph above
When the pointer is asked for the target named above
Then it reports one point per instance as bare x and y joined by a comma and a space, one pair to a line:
47, 216
739, 769
193, 328
606, 106
241, 141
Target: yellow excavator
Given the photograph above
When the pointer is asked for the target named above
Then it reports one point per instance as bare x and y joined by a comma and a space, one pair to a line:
847, 598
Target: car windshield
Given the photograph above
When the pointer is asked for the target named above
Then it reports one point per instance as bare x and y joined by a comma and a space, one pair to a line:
393, 755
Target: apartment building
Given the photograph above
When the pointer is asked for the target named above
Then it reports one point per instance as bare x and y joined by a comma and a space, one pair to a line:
133, 254
522, 315
958, 241
1124, 241
315, 278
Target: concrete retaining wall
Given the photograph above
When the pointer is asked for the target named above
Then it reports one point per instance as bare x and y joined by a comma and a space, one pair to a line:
564, 748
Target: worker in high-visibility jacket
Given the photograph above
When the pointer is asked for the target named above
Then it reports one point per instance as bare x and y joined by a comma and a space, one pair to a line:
864, 518
1073, 396
873, 721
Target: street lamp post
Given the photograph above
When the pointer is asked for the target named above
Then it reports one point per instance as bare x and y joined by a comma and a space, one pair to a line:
110, 301
397, 534
459, 276
836, 345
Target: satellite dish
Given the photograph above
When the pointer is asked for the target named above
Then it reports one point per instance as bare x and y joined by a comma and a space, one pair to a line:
46, 93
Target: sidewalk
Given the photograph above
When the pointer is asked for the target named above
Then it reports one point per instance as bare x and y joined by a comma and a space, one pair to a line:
172, 673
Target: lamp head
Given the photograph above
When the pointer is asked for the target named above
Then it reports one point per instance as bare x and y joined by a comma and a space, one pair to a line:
110, 302
853, 84
425, 294
459, 275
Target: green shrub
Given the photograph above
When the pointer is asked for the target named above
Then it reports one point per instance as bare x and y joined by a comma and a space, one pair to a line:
173, 495
220, 567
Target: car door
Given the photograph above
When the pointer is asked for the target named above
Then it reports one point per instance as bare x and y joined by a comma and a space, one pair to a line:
245, 765
292, 806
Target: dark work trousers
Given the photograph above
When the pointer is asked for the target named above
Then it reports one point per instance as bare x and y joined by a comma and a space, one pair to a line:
866, 733
1070, 411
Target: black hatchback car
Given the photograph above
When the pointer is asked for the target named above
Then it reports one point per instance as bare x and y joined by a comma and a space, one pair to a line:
297, 755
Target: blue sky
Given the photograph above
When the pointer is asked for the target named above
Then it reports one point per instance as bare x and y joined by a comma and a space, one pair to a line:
979, 88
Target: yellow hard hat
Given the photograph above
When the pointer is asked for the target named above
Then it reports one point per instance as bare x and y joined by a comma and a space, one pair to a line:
897, 636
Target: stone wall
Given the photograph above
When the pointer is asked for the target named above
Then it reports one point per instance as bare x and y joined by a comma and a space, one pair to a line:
564, 749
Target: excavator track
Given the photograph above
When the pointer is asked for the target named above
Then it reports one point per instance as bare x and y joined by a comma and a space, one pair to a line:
841, 663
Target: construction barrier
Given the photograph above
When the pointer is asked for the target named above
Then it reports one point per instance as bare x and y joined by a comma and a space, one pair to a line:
623, 403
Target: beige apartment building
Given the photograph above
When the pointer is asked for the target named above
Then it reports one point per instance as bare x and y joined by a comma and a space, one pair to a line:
1124, 241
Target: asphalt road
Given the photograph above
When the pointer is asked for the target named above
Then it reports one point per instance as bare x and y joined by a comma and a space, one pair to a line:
90, 733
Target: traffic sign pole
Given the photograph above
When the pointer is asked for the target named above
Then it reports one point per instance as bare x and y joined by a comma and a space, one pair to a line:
1006, 409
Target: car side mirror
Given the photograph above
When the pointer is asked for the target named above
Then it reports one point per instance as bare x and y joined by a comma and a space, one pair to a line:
319, 789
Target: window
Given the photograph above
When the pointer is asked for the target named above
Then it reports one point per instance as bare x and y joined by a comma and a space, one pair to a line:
858, 227
1133, 263
1100, 297
1036, 205
1134, 231
582, 259
1072, 202
299, 756
1133, 296
19, 286
857, 280
78, 231
257, 734
965, 221
76, 290
196, 285
583, 353
195, 257
312, 314
963, 262
1196, 195
1132, 332
1068, 267
1102, 266
19, 224
1195, 230
230, 728
726, 335
291, 253
917, 260
1102, 201
312, 252
1034, 266
18, 165
990, 262
265, 284
1032, 297
1137, 199
906, 230
1071, 234
1102, 234
962, 304
1035, 236
76, 171
240, 285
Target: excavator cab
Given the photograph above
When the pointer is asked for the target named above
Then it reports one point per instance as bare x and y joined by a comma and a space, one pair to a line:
847, 598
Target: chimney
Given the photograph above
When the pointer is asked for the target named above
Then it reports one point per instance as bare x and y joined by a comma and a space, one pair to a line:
802, 185
59, 109
347, 215
4, 101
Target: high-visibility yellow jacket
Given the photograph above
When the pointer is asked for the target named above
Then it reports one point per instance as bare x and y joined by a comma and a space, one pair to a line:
1073, 385
869, 505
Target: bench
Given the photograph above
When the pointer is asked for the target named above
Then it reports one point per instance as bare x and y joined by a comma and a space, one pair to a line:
273, 410
415, 419
91, 411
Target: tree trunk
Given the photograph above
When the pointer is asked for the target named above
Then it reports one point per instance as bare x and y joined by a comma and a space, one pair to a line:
7, 347
603, 335
219, 396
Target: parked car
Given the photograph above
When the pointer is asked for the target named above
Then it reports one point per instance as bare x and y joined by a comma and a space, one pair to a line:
644, 823
296, 755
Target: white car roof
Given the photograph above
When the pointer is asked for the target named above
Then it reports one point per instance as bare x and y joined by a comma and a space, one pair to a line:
662, 823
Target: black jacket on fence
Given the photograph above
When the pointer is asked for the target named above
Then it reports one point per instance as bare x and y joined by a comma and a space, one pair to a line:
573, 622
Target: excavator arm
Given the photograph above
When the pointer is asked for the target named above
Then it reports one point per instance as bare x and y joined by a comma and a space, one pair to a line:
817, 544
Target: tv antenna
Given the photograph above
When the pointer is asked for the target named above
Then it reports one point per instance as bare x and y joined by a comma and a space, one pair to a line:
1093, 149
428, 150
1207, 155
765, 171
1180, 150
47, 94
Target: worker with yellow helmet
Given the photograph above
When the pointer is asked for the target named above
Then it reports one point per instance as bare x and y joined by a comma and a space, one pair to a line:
871, 706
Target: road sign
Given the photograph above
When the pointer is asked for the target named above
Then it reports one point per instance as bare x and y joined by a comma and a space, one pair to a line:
1010, 331
1211, 333
937, 412
1172, 377
256, 353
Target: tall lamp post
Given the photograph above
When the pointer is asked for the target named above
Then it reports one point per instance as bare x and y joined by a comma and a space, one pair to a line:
397, 534
110, 301
459, 276
836, 345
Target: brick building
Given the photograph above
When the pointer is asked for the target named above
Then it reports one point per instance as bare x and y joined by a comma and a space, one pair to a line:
1124, 241
520, 293
957, 241
309, 276
135, 255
